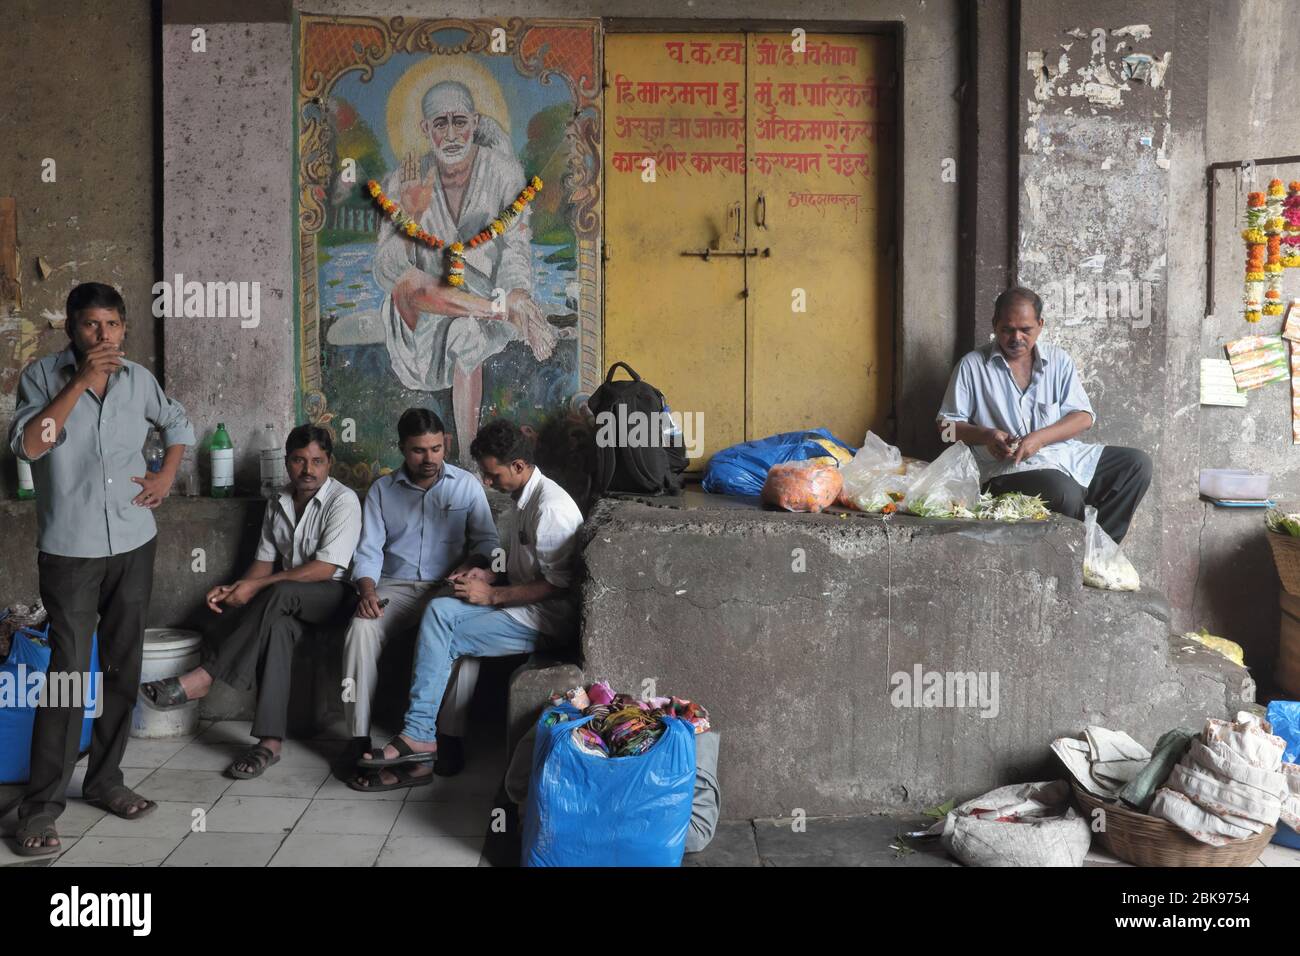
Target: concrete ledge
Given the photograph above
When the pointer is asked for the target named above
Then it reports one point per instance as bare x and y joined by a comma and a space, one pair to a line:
798, 632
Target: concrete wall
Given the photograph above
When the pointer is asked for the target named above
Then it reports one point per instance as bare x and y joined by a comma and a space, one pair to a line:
78, 87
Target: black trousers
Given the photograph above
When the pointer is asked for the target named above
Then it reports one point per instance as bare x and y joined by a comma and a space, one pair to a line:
1121, 479
253, 646
80, 592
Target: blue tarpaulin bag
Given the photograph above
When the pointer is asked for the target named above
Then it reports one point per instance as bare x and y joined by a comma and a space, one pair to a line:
30, 655
585, 810
742, 469
1284, 715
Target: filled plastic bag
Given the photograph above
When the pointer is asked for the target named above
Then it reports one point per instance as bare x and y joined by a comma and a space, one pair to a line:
802, 486
949, 487
588, 810
742, 469
875, 478
1284, 715
1104, 564
1026, 824
30, 655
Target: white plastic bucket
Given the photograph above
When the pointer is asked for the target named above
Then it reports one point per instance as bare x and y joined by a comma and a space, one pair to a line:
168, 652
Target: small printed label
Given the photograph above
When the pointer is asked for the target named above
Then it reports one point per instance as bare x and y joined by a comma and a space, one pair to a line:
223, 467
272, 464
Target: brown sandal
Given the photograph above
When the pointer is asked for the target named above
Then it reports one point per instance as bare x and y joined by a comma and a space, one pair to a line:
40, 825
119, 800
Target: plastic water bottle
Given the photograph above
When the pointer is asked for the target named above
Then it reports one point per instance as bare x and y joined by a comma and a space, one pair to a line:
153, 451
270, 458
223, 463
26, 487
671, 436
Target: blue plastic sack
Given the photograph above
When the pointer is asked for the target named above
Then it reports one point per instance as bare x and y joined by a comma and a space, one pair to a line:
1284, 715
31, 655
584, 810
742, 469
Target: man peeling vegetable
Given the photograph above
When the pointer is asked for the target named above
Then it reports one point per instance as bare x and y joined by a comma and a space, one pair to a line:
1020, 407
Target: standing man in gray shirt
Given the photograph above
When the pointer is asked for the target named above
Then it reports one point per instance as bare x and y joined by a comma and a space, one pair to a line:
82, 419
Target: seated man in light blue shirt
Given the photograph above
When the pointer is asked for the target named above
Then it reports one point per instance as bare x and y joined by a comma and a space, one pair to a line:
423, 524
1019, 406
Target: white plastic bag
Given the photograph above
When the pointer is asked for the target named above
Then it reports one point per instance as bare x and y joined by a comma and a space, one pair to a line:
949, 487
875, 471
1026, 824
1104, 564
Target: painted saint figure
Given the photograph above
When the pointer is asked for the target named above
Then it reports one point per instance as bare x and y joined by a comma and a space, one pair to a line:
439, 335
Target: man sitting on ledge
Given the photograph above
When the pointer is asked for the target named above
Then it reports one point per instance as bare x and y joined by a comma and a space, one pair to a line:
1019, 406
491, 615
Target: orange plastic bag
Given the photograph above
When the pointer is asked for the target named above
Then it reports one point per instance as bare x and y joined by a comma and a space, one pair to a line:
802, 486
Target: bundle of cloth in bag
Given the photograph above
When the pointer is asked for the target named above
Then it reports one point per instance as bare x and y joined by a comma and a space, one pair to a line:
1231, 783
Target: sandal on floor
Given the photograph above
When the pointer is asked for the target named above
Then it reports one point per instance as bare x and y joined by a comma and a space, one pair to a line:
119, 800
166, 693
373, 782
258, 756
404, 755
39, 825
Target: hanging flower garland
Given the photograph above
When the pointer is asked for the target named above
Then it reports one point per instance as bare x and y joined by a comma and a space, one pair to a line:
1291, 217
1256, 247
455, 274
1273, 229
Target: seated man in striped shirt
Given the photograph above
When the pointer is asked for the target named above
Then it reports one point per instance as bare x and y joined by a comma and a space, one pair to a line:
1019, 405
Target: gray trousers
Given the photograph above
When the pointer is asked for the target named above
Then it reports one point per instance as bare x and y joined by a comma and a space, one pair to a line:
253, 646
365, 642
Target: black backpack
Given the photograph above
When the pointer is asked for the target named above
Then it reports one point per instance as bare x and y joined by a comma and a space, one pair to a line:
652, 467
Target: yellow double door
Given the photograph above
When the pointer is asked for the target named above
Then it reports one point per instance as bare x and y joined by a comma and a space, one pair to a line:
748, 222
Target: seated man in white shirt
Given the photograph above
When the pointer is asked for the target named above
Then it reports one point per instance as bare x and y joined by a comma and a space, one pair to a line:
1019, 405
312, 528
490, 615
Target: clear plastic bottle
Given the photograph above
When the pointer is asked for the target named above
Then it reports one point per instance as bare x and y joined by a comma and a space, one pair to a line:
223, 463
271, 461
153, 451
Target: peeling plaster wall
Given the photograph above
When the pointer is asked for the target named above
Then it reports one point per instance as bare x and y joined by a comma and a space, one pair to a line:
1095, 159
77, 87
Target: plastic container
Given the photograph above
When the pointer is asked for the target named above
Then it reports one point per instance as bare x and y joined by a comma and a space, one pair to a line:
168, 652
1232, 484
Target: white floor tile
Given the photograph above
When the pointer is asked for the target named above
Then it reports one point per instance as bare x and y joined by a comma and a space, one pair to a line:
131, 776
226, 849
443, 819
153, 753
234, 814
282, 781
170, 820
326, 849
118, 851
1275, 855
368, 817
431, 851
206, 756
203, 787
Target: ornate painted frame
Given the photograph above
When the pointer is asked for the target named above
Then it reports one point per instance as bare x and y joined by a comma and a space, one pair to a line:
549, 50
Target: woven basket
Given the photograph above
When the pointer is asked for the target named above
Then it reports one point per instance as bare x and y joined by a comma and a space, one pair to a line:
1151, 841
1286, 556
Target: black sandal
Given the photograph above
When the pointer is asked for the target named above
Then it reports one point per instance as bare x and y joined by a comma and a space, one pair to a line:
404, 755
258, 757
166, 693
119, 800
40, 825
373, 782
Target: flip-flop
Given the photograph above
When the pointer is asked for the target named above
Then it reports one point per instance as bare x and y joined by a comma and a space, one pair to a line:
38, 825
404, 755
257, 755
119, 800
405, 778
164, 694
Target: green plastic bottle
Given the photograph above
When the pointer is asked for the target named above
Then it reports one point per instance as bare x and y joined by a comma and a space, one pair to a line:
26, 489
223, 463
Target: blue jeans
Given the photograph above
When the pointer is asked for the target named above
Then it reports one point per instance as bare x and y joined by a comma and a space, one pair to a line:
449, 629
